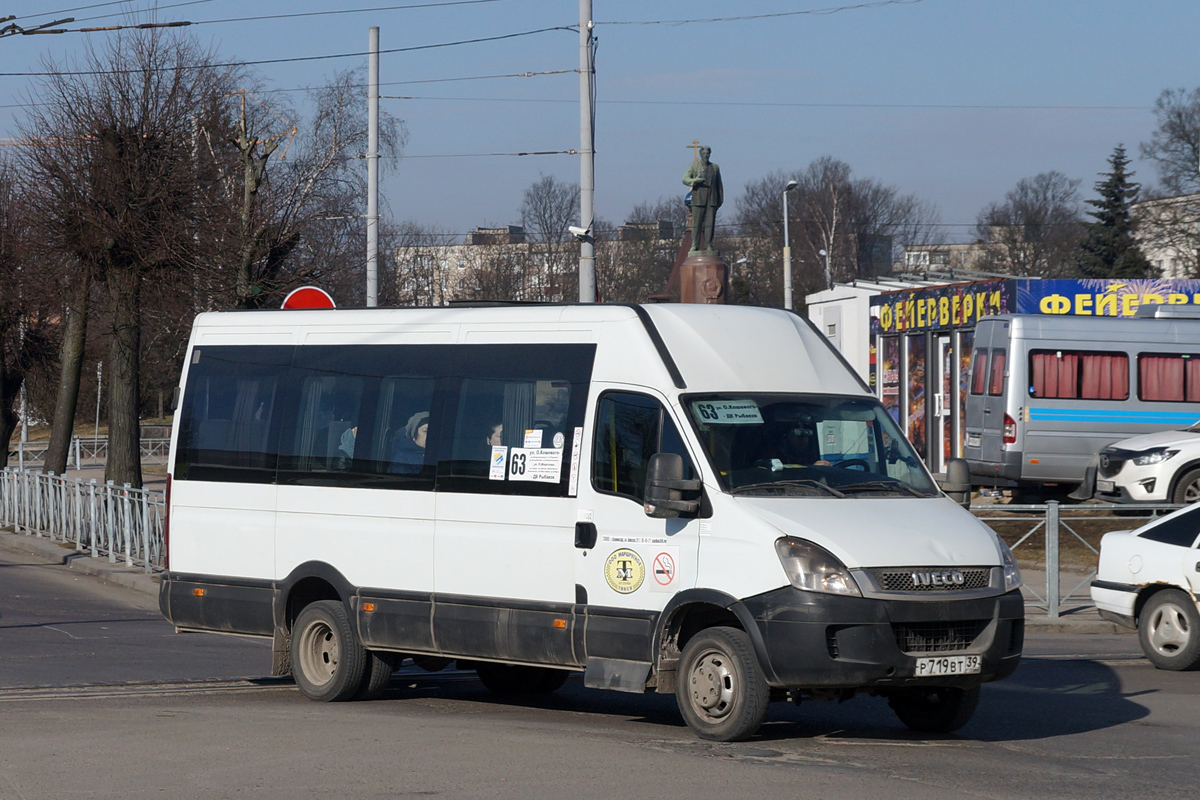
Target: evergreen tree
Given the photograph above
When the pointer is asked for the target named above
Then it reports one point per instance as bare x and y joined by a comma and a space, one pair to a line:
1108, 249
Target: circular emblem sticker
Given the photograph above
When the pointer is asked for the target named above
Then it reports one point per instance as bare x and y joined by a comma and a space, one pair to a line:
559, 440
624, 571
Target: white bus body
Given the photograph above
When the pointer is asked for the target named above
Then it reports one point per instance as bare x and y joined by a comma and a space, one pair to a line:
693, 499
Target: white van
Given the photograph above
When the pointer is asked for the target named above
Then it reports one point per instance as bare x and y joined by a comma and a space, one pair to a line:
702, 500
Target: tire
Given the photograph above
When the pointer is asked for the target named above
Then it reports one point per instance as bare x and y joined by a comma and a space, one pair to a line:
1187, 488
939, 709
506, 679
376, 676
1169, 630
720, 687
328, 662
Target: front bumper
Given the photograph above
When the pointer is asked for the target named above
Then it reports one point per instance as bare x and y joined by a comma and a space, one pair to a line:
1133, 485
812, 640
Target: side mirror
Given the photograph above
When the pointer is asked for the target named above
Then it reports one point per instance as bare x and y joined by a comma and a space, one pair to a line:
665, 487
957, 483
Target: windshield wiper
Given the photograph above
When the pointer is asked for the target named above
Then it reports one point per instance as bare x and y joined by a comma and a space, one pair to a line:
876, 485
807, 483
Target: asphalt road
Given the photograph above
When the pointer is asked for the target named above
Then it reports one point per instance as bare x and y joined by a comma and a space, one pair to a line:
98, 698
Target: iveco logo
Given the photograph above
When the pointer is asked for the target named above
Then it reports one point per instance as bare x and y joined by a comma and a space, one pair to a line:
954, 578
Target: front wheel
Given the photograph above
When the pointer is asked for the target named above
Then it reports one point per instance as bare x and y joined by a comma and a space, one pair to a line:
328, 662
939, 709
720, 687
1169, 630
1187, 490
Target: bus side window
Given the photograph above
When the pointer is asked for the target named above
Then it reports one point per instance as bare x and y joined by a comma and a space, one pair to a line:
230, 414
629, 429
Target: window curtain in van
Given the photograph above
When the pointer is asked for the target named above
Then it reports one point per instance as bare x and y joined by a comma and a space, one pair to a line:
519, 400
1105, 377
1161, 378
1192, 370
1055, 376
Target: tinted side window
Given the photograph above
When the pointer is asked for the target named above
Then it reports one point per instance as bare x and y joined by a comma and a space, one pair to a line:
229, 417
629, 429
515, 413
1181, 530
363, 415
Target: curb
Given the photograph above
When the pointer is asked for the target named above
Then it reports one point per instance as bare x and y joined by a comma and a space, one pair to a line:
81, 561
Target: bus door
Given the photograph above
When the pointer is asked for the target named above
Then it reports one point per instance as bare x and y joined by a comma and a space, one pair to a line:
628, 565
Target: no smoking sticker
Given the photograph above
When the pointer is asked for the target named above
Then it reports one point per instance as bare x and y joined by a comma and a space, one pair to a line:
664, 569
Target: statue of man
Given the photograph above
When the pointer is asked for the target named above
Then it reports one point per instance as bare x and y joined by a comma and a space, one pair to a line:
704, 178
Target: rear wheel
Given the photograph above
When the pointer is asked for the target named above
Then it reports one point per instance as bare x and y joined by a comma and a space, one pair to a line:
720, 687
510, 679
1187, 490
1169, 630
376, 675
328, 662
939, 709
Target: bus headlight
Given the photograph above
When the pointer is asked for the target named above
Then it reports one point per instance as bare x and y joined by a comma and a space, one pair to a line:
814, 569
1012, 573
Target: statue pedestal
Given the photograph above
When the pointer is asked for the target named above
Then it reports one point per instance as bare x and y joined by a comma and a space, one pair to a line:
703, 278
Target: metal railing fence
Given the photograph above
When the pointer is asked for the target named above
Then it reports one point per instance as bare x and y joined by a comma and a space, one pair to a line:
88, 449
1056, 526
118, 522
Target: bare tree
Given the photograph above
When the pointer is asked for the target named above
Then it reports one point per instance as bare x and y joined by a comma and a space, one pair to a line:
548, 208
24, 312
113, 160
1036, 230
1174, 146
859, 223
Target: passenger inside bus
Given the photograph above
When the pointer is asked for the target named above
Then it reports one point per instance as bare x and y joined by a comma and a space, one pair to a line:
409, 454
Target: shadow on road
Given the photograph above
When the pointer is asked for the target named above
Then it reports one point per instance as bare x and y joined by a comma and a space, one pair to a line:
1042, 700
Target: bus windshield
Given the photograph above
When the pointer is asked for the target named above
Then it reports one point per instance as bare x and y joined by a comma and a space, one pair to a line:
791, 445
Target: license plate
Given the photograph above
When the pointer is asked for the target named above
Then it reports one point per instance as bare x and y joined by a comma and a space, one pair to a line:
1104, 486
948, 665
972, 440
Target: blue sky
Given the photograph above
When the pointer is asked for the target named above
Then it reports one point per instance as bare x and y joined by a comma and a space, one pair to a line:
951, 100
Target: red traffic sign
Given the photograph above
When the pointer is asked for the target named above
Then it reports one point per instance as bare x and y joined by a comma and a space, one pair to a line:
308, 297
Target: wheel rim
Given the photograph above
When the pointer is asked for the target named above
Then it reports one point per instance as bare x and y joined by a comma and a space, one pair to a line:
712, 685
1169, 631
1192, 493
319, 653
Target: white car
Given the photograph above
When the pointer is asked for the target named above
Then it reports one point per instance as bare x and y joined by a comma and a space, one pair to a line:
1148, 579
1162, 467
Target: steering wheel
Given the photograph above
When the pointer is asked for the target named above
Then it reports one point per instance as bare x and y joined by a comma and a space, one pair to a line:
854, 462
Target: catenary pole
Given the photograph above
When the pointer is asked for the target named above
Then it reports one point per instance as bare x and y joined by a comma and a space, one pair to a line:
587, 172
373, 169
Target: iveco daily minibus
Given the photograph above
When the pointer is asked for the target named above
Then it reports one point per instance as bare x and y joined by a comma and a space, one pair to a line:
690, 499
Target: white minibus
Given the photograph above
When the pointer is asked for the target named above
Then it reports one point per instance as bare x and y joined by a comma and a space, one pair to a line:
693, 499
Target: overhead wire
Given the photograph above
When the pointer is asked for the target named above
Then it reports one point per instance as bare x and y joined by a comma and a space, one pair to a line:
357, 54
746, 17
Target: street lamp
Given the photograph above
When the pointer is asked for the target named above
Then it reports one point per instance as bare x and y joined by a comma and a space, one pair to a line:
787, 250
828, 274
